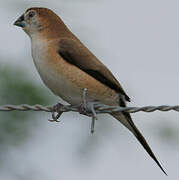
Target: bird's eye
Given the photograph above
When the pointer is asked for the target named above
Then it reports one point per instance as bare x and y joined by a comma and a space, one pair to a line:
31, 14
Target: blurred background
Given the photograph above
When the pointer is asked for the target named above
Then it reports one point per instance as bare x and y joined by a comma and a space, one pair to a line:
139, 41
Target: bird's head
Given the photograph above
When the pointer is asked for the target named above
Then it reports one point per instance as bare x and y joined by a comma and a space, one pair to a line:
36, 20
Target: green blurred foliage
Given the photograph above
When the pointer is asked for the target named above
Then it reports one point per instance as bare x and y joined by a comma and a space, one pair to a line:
16, 88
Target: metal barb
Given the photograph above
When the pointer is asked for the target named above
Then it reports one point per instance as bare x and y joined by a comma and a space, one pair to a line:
84, 97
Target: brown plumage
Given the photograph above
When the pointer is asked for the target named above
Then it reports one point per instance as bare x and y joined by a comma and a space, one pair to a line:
67, 67
77, 54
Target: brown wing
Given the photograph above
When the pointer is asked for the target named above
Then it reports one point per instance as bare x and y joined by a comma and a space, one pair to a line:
74, 52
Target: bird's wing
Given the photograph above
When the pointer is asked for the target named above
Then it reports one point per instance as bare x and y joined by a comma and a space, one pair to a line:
74, 52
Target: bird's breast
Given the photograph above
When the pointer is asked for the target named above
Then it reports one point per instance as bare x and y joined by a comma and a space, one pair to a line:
52, 72
66, 80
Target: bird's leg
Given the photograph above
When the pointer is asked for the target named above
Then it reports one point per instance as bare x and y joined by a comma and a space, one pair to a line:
87, 108
83, 105
56, 109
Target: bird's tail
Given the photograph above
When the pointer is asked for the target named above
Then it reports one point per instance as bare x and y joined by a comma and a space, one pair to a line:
126, 120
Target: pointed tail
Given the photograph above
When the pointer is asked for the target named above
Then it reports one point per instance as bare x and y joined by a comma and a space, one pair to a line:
126, 120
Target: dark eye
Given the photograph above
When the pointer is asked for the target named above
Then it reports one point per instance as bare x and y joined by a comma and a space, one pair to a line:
31, 14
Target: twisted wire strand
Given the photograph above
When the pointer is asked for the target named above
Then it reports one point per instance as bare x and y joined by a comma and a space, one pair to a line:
99, 108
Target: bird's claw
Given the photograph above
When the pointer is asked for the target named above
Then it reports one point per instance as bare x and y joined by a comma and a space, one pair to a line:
56, 109
87, 107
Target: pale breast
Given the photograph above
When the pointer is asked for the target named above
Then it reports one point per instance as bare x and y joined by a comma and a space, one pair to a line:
53, 79
66, 80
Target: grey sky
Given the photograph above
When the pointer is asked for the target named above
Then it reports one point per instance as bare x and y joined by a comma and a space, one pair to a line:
139, 41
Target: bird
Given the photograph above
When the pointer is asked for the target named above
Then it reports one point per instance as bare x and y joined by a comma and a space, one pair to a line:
67, 67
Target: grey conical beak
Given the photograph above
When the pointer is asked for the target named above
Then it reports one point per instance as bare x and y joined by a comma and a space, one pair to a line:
20, 22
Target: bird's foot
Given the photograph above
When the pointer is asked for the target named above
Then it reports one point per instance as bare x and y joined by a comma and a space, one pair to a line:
87, 108
56, 109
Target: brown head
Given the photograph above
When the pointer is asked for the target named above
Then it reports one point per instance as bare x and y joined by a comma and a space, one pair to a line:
41, 20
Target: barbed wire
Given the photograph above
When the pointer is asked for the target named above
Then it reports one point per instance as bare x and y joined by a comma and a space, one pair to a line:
86, 108
90, 109
99, 108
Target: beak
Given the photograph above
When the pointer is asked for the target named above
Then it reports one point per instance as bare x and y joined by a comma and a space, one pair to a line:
20, 22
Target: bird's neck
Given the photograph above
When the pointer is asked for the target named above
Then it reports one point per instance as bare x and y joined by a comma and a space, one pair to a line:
54, 31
